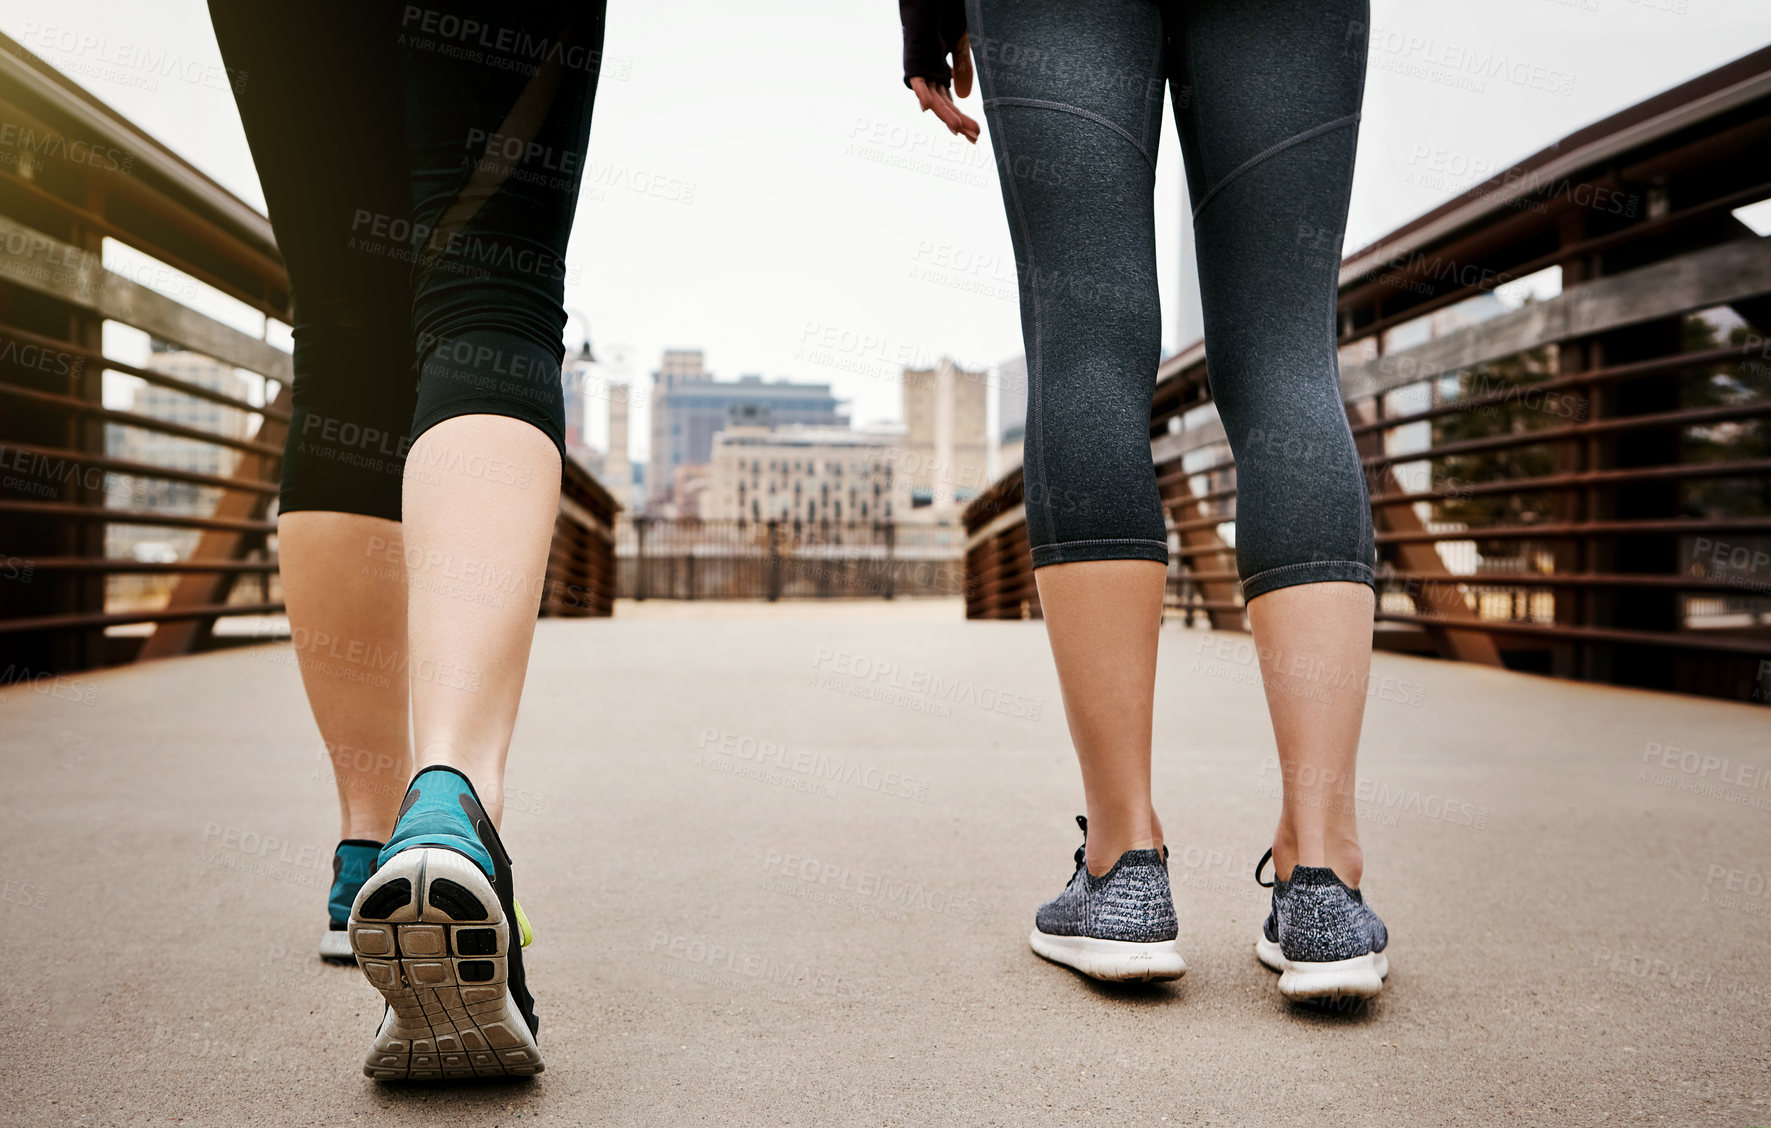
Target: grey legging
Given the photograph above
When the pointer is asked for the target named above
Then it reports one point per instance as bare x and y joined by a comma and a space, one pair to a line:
1266, 93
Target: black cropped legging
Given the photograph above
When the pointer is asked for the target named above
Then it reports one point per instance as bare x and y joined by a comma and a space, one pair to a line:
1266, 94
421, 163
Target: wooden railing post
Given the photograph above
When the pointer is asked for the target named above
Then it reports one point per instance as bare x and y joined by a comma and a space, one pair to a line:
891, 542
774, 588
640, 582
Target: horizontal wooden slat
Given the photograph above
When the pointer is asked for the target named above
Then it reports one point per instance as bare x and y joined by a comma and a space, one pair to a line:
1686, 417
156, 170
122, 618
1578, 579
134, 239
151, 376
122, 566
1681, 640
132, 516
1709, 277
1550, 531
62, 271
135, 419
9, 451
1612, 374
1705, 212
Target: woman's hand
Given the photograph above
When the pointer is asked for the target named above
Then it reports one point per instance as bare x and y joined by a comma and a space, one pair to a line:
936, 98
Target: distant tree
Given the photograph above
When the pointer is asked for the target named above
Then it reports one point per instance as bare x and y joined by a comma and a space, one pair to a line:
1717, 385
1518, 411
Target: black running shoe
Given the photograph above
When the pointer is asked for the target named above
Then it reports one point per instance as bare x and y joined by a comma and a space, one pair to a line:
1321, 936
439, 934
1120, 926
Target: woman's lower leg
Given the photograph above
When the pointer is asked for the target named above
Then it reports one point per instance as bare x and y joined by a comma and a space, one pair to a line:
344, 584
481, 498
1314, 642
1102, 618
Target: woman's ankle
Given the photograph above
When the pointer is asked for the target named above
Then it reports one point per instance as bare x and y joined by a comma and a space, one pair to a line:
1338, 852
1111, 835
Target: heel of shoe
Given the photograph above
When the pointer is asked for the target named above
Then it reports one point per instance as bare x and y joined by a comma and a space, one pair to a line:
1359, 977
429, 933
1114, 961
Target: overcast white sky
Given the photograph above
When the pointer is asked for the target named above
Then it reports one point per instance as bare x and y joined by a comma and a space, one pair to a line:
822, 229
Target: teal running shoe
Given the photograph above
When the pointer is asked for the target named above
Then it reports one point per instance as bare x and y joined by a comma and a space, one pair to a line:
352, 863
438, 932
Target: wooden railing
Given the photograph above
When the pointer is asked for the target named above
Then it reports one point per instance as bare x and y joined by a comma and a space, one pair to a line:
581, 563
1560, 385
78, 185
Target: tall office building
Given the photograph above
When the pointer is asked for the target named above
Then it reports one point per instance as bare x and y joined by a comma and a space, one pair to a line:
1012, 408
681, 365
617, 473
578, 379
677, 367
946, 444
689, 407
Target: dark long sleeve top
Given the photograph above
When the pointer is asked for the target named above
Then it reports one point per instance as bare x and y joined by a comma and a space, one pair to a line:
932, 29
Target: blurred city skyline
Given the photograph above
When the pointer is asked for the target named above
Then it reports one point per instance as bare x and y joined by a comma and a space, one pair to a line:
788, 211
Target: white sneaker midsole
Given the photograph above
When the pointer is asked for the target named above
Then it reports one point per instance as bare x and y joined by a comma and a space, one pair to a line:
336, 945
1112, 959
1361, 976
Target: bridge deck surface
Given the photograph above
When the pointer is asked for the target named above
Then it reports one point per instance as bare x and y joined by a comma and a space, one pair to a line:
1579, 925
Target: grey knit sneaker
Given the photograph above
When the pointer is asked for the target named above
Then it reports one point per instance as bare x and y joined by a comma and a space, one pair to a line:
1120, 926
1321, 936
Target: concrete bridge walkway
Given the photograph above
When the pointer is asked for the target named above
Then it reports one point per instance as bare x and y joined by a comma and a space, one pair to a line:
782, 863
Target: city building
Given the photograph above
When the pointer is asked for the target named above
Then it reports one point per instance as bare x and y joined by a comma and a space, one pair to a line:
1012, 408
586, 382
814, 474
688, 489
171, 406
689, 407
946, 452
618, 471
137, 445
576, 375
